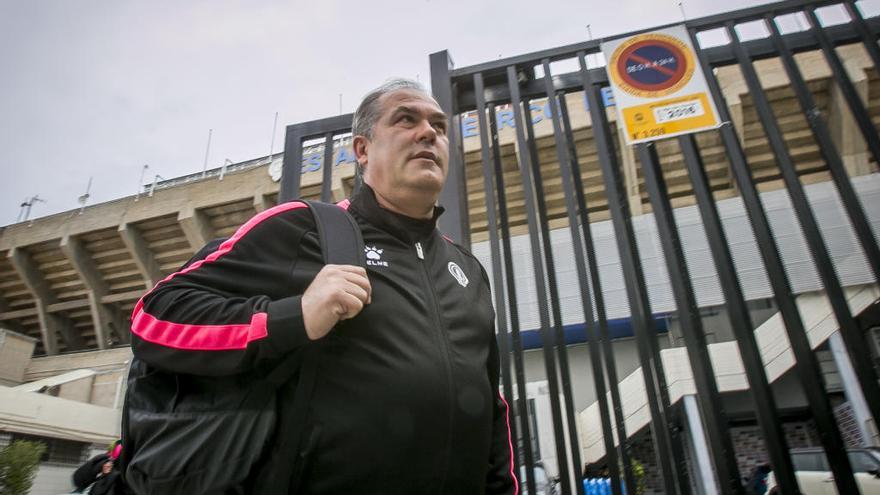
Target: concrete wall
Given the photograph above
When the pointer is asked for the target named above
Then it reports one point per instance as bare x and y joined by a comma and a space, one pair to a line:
716, 322
106, 388
15, 354
626, 354
53, 479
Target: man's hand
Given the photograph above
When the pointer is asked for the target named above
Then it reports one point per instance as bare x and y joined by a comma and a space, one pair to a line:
338, 292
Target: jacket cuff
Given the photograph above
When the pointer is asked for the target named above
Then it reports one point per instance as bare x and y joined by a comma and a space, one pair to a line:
284, 324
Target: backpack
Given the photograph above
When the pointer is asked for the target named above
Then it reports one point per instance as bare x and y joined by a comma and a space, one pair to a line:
186, 434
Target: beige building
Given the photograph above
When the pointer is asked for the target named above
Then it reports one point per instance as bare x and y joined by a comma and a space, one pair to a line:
68, 282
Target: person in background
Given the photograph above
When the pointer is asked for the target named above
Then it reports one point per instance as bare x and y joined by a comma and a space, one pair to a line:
98, 475
757, 483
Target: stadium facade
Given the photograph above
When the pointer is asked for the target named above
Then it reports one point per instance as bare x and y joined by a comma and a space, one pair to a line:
69, 281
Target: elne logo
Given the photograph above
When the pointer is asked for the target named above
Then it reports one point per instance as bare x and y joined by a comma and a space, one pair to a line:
374, 256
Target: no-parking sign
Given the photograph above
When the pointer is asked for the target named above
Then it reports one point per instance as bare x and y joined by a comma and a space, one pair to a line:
658, 85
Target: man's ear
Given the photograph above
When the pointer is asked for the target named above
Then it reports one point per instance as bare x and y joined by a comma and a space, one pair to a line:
360, 145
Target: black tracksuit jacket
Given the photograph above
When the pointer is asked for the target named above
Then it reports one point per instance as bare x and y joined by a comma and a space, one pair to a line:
406, 397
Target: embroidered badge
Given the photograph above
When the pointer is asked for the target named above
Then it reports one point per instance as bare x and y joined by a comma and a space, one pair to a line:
374, 256
458, 273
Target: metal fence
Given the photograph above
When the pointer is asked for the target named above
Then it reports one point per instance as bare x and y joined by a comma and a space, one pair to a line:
515, 82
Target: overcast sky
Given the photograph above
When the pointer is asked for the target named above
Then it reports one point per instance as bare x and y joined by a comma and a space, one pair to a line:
100, 88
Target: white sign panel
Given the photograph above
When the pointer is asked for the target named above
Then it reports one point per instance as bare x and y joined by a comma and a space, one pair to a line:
658, 85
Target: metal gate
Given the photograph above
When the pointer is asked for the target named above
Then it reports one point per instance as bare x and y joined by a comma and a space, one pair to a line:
515, 84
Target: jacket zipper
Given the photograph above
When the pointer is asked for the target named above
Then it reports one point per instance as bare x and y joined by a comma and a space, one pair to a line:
443, 340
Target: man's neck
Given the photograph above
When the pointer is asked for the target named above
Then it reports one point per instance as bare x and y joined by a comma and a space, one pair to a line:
414, 209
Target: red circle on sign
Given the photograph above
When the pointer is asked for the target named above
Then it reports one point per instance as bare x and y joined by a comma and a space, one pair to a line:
667, 78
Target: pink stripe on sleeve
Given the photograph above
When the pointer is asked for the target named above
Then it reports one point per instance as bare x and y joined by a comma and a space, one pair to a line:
199, 337
207, 337
509, 443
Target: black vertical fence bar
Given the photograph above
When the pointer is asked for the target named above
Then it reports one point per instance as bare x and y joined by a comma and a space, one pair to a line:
494, 246
738, 312
516, 338
856, 106
868, 37
291, 169
296, 135
540, 283
765, 404
555, 309
709, 398
562, 153
849, 330
829, 152
327, 171
565, 175
640, 309
453, 197
739, 316
599, 341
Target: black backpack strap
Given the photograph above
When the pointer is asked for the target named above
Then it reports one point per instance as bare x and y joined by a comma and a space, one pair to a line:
339, 234
341, 244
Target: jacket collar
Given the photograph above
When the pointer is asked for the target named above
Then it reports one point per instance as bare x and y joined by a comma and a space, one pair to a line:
408, 229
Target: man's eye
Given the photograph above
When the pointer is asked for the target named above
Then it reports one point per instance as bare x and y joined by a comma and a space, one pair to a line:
406, 118
440, 127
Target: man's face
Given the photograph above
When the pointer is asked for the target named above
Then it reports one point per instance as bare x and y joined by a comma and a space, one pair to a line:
409, 150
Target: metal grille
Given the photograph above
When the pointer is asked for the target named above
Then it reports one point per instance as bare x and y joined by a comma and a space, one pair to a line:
517, 83
518, 196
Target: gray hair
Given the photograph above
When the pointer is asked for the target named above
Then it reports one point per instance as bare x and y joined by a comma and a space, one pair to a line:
368, 112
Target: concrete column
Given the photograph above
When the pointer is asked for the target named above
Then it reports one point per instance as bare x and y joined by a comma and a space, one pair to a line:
68, 330
630, 172
345, 173
85, 267
338, 189
733, 86
737, 120
844, 131
123, 325
852, 390
261, 203
196, 227
140, 252
704, 478
36, 284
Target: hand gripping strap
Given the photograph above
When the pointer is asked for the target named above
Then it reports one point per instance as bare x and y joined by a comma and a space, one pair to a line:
341, 244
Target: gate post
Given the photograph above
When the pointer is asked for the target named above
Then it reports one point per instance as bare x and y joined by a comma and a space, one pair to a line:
454, 222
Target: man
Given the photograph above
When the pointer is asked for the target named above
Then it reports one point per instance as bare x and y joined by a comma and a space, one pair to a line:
406, 395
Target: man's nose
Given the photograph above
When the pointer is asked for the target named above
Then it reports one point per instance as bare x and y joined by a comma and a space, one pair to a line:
426, 132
